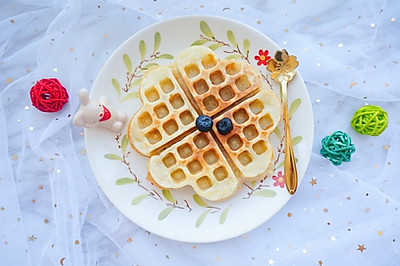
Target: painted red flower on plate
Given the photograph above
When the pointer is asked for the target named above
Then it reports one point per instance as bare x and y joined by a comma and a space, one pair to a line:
262, 57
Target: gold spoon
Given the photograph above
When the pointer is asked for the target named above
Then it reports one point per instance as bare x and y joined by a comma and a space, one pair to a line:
283, 69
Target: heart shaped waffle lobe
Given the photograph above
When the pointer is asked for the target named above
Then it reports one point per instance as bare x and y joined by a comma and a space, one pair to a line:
197, 161
199, 83
247, 146
166, 112
215, 84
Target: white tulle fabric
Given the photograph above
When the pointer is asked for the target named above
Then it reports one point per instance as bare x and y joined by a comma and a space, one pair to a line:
51, 209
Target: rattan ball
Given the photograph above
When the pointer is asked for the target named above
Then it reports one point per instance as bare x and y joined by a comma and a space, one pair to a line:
337, 147
370, 120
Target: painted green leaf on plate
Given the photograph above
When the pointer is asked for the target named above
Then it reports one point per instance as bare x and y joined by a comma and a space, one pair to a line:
165, 56
266, 193
215, 46
164, 213
199, 201
231, 38
125, 181
296, 140
132, 95
167, 194
147, 66
246, 46
278, 133
233, 56
283, 161
112, 156
157, 41
116, 86
136, 82
139, 199
294, 106
142, 49
206, 29
224, 214
124, 143
201, 218
199, 42
127, 62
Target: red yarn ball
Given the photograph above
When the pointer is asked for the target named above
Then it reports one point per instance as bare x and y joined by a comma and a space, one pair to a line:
48, 95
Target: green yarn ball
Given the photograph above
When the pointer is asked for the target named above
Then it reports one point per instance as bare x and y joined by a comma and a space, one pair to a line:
370, 120
337, 147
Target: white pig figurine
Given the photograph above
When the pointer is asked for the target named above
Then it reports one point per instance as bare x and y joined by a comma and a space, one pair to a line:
93, 113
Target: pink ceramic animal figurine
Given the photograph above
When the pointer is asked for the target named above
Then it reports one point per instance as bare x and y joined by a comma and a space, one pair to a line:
93, 113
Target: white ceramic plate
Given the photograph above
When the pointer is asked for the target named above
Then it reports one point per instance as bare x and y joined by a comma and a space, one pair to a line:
176, 214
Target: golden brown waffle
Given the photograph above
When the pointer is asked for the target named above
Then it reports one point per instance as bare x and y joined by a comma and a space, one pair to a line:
247, 145
164, 128
213, 84
197, 161
166, 113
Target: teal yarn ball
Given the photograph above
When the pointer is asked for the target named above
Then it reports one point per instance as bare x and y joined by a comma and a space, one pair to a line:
370, 120
337, 147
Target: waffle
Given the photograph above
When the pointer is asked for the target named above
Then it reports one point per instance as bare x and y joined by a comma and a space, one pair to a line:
165, 115
212, 84
247, 145
180, 155
197, 161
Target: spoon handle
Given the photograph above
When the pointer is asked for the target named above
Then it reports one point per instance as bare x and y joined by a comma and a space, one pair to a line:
290, 162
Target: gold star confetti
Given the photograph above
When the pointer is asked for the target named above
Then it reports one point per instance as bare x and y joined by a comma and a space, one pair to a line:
286, 30
348, 198
270, 262
386, 147
40, 187
83, 151
46, 221
14, 157
129, 240
105, 35
380, 233
258, 21
317, 19
361, 248
367, 210
5, 243
70, 50
76, 242
352, 84
116, 254
32, 238
2, 209
320, 262
293, 1
289, 214
9, 79
321, 44
313, 181
325, 210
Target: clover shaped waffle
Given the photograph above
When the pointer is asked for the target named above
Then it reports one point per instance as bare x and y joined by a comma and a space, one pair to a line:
199, 83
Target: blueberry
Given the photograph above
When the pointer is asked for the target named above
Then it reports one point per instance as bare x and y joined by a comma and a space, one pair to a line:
224, 126
204, 123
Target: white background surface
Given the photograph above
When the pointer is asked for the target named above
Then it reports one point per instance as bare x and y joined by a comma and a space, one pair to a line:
51, 209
